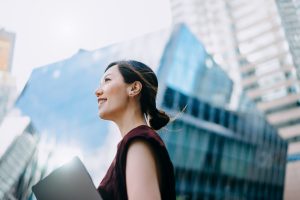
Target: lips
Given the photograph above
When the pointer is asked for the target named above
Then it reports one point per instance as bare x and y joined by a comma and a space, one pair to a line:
101, 100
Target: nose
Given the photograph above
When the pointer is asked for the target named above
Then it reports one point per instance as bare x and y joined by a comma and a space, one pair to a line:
98, 92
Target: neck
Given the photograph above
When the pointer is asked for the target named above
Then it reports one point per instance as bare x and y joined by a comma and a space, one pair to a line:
131, 118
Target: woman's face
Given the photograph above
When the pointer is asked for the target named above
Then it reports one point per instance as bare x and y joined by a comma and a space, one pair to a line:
112, 94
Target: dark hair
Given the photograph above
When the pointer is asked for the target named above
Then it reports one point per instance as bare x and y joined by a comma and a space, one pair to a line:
131, 71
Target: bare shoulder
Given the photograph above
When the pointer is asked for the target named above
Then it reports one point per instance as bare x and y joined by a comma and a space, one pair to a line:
141, 173
140, 156
139, 147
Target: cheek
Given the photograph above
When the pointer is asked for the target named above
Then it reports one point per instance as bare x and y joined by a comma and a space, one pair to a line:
117, 97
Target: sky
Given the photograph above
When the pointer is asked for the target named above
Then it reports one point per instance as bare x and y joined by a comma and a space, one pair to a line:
49, 31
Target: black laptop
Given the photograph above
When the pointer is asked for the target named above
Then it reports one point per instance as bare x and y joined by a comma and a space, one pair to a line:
69, 182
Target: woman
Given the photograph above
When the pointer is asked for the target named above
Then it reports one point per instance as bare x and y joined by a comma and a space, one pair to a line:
141, 168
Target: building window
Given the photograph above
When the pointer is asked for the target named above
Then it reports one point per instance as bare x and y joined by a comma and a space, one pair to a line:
169, 98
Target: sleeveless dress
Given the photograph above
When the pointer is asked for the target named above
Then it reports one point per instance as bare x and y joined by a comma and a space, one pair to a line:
113, 185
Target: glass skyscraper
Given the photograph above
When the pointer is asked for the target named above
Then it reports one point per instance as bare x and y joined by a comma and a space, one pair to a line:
18, 151
220, 154
257, 43
217, 153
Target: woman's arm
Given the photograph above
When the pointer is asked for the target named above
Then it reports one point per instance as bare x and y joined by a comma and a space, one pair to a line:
141, 172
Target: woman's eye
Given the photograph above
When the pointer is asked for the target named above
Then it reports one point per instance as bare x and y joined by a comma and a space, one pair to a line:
107, 79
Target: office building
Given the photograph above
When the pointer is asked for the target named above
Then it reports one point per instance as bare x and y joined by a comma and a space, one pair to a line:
8, 93
17, 149
290, 15
220, 154
217, 153
289, 11
7, 81
257, 43
7, 42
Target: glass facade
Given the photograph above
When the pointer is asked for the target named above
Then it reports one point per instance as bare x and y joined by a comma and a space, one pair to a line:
14, 164
259, 52
221, 154
258, 43
217, 153
24, 157
191, 69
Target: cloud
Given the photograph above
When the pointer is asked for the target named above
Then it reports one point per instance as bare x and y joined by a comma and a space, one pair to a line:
98, 162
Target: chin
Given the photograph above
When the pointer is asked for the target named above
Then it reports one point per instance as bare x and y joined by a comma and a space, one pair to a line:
103, 116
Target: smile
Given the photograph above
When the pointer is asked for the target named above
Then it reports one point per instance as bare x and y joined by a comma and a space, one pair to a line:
101, 100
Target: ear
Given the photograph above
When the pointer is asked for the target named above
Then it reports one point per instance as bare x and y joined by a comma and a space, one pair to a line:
134, 88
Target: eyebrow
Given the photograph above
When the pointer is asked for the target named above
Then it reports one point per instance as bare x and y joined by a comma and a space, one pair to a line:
104, 77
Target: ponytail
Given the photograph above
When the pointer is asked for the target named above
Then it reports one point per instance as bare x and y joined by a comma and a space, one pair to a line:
158, 118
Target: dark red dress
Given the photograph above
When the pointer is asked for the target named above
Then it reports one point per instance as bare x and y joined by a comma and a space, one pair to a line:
113, 185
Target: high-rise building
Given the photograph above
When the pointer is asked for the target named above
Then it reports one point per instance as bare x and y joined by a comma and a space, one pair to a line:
19, 165
290, 15
220, 154
259, 41
211, 24
202, 70
7, 94
7, 42
24, 157
17, 149
216, 153
7, 81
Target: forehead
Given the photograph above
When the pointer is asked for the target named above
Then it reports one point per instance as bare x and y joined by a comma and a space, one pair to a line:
112, 71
